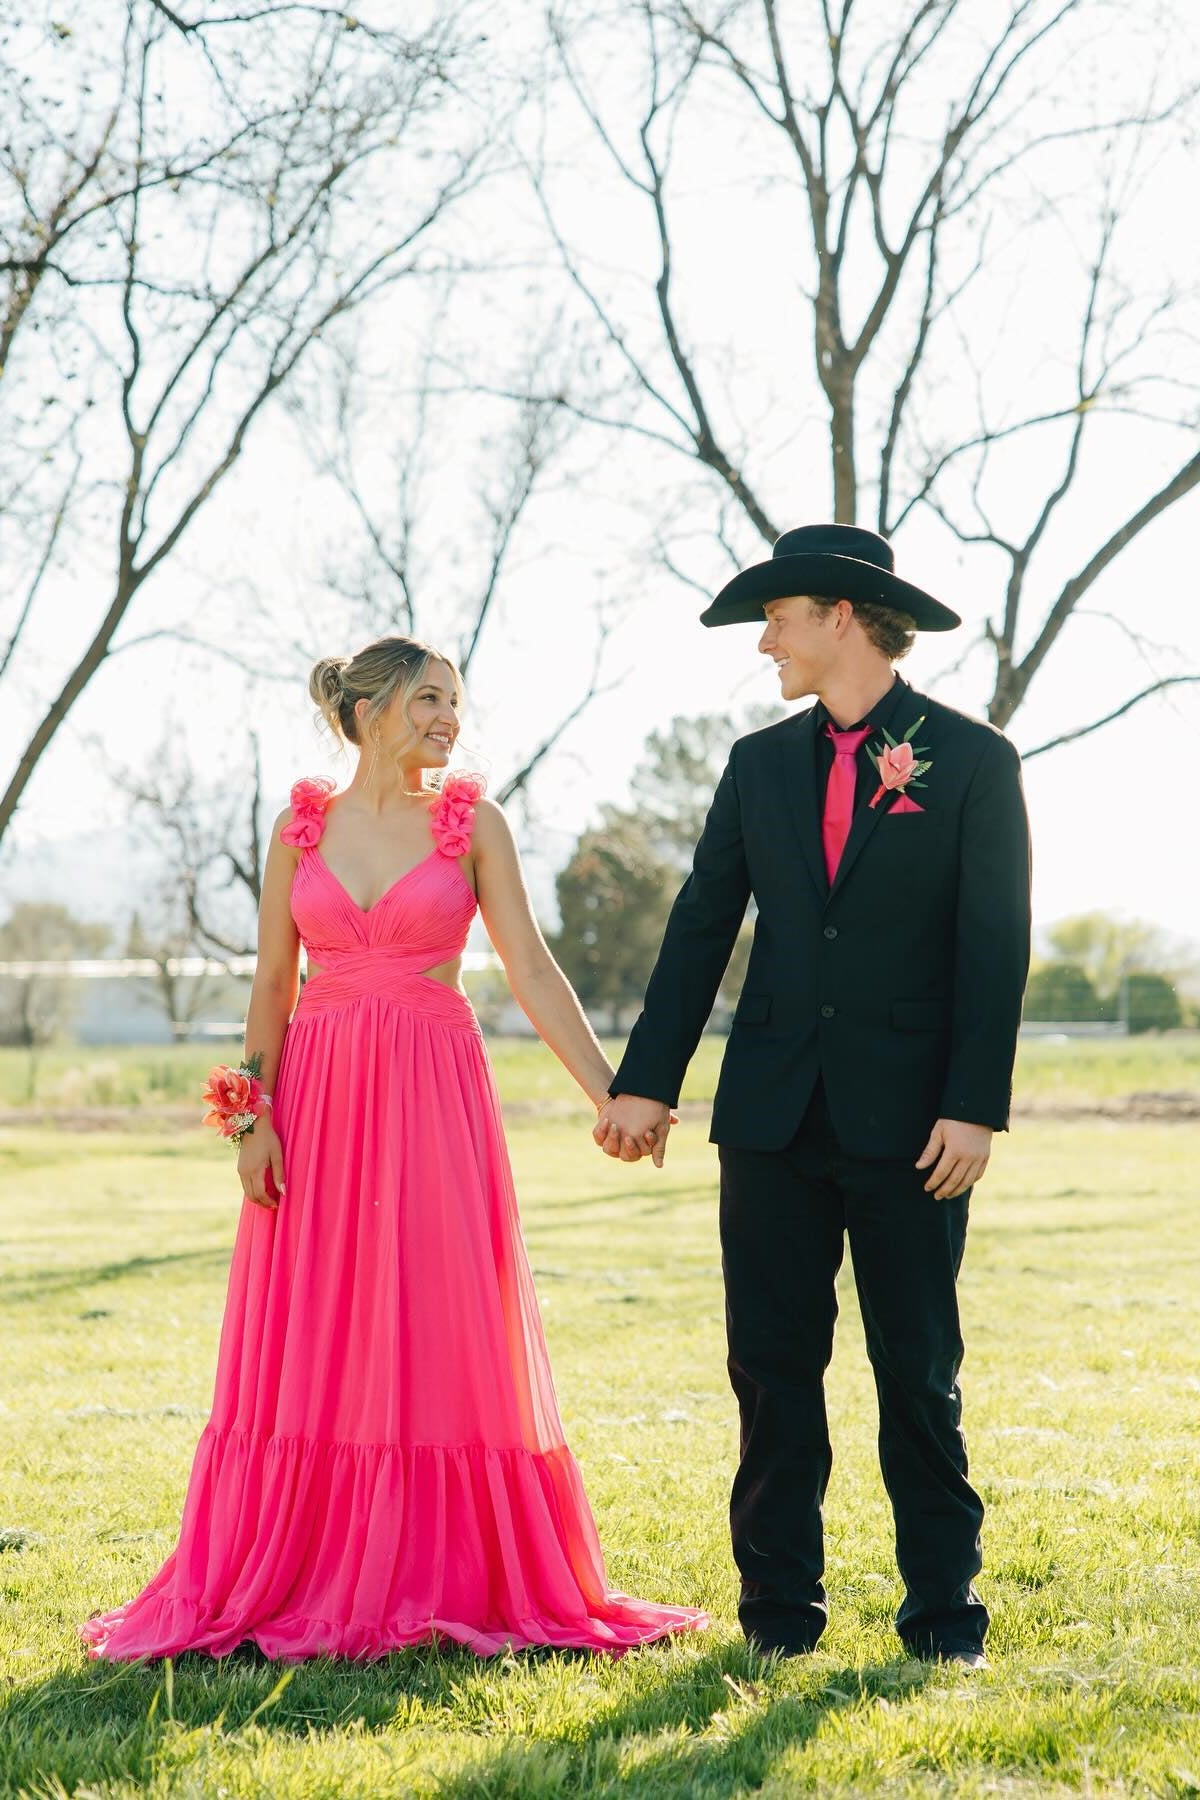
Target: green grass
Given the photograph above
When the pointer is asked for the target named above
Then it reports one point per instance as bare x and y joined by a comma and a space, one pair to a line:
1083, 1414
133, 1075
70, 1075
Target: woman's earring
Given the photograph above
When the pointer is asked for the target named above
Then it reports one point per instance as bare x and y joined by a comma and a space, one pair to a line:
374, 750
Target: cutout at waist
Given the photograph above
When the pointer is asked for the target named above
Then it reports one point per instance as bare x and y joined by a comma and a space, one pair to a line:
395, 976
448, 973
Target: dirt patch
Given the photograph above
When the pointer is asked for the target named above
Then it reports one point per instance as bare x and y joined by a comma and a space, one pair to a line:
1134, 1108
100, 1118
1181, 1106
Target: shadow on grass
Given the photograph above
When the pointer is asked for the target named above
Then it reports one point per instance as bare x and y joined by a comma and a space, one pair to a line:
39, 1284
716, 1728
647, 1201
713, 1723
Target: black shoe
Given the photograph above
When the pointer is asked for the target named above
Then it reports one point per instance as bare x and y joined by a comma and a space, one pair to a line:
967, 1656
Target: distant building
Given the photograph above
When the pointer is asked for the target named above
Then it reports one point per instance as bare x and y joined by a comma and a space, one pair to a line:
120, 1002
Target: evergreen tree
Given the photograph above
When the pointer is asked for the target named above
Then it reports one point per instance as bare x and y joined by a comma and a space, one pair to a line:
1062, 992
1150, 1002
613, 899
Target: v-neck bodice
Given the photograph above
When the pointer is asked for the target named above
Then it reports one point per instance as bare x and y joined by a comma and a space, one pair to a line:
421, 920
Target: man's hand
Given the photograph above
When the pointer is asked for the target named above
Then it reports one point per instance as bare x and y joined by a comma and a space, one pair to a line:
631, 1127
958, 1155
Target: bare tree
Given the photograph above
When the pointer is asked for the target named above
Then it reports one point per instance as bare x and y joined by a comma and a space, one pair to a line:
37, 1000
207, 840
178, 237
918, 160
452, 581
163, 935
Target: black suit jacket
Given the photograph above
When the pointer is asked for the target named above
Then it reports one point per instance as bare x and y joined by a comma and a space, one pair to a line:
900, 987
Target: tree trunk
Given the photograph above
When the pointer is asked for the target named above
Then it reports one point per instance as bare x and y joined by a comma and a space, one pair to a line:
78, 679
841, 425
1009, 689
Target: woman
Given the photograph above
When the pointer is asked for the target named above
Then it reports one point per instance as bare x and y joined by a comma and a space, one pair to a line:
385, 1464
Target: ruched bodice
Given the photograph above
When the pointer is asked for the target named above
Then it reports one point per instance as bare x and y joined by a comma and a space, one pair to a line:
422, 919
420, 922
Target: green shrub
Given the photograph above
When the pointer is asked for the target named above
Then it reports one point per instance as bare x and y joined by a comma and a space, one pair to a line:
1150, 1002
1062, 991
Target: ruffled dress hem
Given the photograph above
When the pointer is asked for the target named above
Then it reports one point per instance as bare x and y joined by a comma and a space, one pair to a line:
293, 1638
385, 1546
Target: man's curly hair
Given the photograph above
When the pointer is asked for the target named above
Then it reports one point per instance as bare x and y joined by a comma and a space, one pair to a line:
892, 633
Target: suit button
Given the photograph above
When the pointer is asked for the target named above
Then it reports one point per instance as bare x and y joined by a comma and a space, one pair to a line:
827, 1012
831, 932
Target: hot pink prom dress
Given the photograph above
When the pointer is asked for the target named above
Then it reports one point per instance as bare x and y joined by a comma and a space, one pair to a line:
385, 1463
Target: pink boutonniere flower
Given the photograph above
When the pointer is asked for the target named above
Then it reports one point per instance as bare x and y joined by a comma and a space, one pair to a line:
899, 767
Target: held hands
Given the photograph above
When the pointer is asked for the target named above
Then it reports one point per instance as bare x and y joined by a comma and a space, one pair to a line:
958, 1154
631, 1127
260, 1164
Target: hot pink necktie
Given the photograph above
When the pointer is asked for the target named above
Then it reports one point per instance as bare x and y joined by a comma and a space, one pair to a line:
839, 795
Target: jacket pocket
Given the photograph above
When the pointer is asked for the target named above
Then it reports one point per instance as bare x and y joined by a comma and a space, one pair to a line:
924, 819
753, 1009
920, 1015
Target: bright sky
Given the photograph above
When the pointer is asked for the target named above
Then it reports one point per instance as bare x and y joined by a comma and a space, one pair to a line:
1114, 816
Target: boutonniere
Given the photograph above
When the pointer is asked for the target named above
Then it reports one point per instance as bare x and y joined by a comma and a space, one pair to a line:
899, 767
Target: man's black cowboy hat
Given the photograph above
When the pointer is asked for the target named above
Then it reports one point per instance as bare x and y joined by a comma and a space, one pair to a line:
837, 562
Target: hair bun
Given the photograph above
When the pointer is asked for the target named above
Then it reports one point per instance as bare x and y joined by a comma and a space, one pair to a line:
327, 689
325, 683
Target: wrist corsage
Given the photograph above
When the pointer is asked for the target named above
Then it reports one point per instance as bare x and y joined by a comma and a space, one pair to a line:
235, 1098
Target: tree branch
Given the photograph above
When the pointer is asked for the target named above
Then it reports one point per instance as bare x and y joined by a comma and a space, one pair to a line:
1182, 482
1071, 737
520, 780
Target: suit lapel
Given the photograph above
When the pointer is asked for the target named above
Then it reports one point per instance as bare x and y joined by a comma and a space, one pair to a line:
909, 708
800, 786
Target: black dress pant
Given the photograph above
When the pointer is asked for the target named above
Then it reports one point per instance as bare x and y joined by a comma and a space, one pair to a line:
784, 1217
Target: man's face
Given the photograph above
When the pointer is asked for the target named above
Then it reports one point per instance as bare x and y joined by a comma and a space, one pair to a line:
802, 639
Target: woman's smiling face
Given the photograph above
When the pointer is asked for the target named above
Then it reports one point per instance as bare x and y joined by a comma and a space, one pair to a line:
419, 729
432, 714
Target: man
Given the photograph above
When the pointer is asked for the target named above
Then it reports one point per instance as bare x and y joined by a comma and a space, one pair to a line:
884, 839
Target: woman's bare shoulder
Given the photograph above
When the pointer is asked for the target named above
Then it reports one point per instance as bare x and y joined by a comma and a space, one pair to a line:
491, 823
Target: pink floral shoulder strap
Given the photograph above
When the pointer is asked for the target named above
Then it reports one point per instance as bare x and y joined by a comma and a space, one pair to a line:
451, 817
310, 798
453, 814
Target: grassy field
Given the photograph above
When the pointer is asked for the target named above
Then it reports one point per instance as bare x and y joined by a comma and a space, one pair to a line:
67, 1076
1083, 1412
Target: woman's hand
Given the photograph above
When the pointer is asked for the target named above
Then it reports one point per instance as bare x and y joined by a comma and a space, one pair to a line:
630, 1128
260, 1164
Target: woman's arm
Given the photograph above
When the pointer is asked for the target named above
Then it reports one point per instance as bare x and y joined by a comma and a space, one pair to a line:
272, 1001
539, 986
694, 954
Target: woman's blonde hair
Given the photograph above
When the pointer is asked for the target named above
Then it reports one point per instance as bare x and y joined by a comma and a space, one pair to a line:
390, 666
